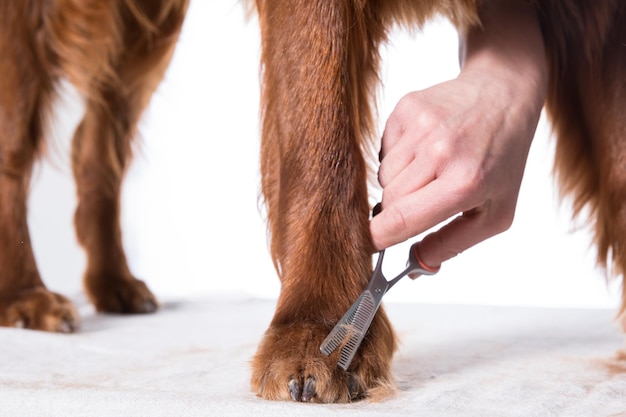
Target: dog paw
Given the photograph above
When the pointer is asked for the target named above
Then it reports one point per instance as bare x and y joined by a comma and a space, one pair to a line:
39, 309
289, 366
120, 295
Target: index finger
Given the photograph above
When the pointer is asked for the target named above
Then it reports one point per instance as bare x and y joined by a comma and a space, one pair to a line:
414, 214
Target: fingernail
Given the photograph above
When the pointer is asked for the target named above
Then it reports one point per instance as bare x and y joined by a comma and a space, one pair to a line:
377, 209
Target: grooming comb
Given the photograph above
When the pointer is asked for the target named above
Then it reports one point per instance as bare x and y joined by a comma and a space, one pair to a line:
351, 329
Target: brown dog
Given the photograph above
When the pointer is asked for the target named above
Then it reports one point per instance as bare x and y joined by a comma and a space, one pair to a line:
320, 66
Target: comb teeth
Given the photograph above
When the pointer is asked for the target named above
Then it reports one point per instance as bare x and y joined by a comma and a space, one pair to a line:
336, 337
356, 326
363, 315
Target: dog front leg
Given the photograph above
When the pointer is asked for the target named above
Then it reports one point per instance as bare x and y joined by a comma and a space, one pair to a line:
319, 64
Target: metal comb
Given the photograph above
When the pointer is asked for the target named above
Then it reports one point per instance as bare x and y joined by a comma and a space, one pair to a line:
351, 329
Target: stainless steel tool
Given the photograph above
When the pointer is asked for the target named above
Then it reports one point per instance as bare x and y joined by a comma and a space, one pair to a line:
351, 329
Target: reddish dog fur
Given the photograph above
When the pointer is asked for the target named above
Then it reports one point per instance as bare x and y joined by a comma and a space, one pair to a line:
115, 53
320, 67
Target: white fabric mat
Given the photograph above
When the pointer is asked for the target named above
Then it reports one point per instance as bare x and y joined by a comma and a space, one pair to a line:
192, 359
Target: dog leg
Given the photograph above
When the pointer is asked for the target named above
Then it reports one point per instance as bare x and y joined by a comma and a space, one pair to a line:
25, 91
607, 121
101, 153
586, 102
319, 64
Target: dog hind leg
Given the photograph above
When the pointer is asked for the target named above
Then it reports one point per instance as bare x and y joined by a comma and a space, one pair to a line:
609, 124
586, 101
102, 147
25, 94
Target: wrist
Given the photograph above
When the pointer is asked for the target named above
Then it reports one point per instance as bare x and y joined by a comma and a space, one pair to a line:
508, 49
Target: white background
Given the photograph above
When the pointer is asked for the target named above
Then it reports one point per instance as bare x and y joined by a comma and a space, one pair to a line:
192, 222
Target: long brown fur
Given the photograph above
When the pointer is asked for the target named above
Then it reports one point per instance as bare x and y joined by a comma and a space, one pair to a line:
115, 52
586, 43
320, 74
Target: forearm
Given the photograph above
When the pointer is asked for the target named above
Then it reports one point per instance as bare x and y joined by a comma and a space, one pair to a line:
509, 47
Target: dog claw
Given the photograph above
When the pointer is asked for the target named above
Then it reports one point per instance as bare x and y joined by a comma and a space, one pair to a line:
64, 327
39, 309
354, 386
299, 393
295, 390
308, 392
289, 366
149, 306
67, 326
125, 295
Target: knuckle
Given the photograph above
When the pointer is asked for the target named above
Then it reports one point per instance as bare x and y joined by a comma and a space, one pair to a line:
408, 103
393, 129
468, 189
414, 106
440, 149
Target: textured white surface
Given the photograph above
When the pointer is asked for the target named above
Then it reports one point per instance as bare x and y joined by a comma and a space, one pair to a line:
191, 359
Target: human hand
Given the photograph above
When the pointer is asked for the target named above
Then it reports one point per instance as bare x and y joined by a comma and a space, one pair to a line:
461, 146
458, 147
